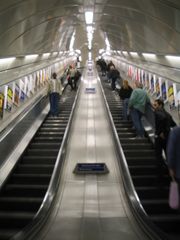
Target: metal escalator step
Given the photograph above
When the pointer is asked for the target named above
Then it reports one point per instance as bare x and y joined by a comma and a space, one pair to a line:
30, 178
143, 169
124, 130
152, 192
39, 145
125, 124
54, 129
50, 134
138, 153
168, 222
54, 125
133, 140
15, 219
126, 135
34, 168
56, 121
42, 152
38, 159
21, 190
150, 180
135, 145
157, 206
6, 234
10, 204
48, 139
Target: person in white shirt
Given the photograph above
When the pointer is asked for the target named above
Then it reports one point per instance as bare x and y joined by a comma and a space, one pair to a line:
55, 90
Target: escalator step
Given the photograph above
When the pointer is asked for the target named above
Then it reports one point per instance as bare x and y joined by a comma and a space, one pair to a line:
42, 152
39, 145
10, 204
152, 192
143, 169
34, 169
25, 179
38, 160
21, 190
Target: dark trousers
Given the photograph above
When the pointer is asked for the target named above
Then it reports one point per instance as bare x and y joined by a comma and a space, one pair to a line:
160, 145
54, 103
113, 83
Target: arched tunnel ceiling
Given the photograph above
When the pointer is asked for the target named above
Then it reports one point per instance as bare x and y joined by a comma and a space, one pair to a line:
39, 26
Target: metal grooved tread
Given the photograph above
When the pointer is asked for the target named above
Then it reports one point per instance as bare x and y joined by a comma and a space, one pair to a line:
140, 157
24, 191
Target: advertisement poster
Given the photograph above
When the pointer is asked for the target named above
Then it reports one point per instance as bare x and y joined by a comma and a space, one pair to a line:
152, 85
164, 91
171, 96
16, 95
22, 87
157, 87
1, 104
9, 99
147, 81
37, 80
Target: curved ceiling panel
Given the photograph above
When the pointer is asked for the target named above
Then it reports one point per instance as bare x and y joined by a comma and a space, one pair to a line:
38, 26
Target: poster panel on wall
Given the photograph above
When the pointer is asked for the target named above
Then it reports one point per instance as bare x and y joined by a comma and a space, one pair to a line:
171, 95
152, 89
1, 104
164, 90
16, 95
9, 99
22, 94
157, 87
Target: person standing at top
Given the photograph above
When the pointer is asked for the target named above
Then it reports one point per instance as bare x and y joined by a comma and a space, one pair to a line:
163, 124
55, 90
125, 93
137, 105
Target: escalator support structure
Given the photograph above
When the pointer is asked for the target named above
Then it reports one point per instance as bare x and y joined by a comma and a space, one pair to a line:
138, 164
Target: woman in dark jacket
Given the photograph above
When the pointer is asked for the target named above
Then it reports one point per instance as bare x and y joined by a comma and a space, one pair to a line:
125, 93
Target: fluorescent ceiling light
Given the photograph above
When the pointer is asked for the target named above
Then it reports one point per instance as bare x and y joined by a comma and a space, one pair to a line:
7, 60
31, 56
89, 17
175, 58
149, 54
46, 54
134, 53
124, 52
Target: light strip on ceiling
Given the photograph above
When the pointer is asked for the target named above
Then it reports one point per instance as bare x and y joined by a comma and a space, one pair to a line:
89, 17
175, 58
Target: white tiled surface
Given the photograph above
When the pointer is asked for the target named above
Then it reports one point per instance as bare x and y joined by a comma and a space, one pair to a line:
90, 207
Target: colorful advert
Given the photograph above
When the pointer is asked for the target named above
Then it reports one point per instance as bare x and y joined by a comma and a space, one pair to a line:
9, 99
152, 85
164, 91
157, 87
171, 97
1, 104
16, 95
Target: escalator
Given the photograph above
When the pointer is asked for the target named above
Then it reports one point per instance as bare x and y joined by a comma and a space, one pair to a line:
23, 192
141, 162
